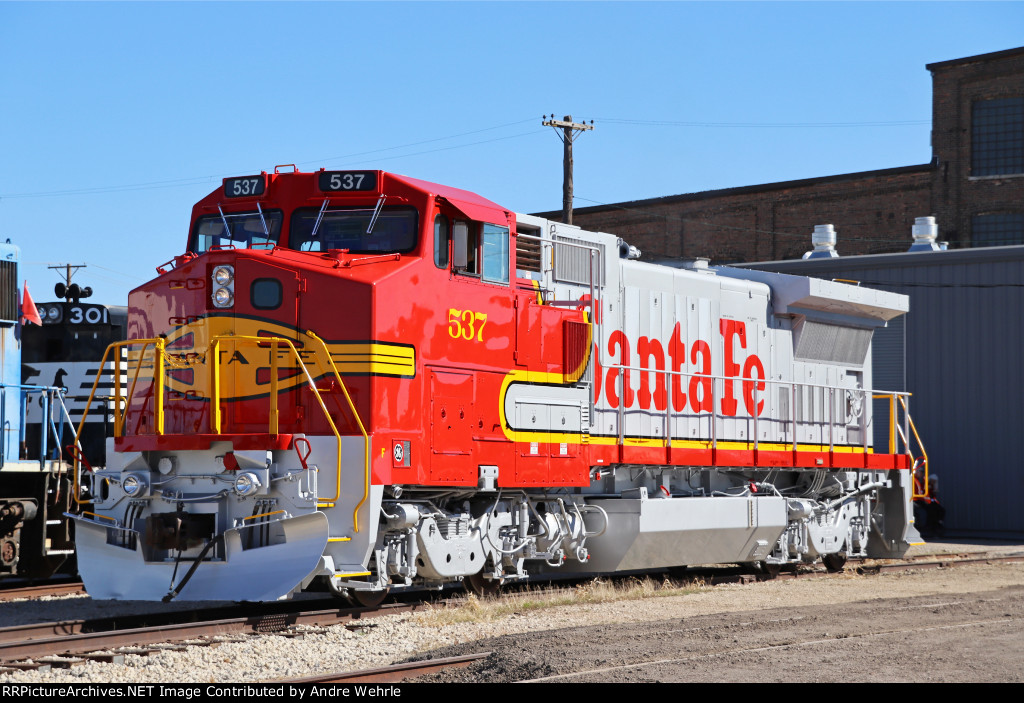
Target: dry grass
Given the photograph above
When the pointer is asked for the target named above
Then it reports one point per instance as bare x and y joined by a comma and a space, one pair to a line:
483, 610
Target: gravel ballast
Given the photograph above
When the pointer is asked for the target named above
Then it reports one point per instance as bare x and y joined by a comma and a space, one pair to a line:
393, 638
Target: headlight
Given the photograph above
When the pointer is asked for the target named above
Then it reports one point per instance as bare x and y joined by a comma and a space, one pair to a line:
223, 275
222, 298
133, 485
52, 313
223, 286
247, 483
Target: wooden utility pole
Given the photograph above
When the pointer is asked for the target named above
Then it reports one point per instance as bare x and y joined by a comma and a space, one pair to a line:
570, 130
69, 270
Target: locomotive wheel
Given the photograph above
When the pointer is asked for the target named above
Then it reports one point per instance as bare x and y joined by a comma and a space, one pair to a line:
762, 568
678, 572
835, 562
368, 599
481, 587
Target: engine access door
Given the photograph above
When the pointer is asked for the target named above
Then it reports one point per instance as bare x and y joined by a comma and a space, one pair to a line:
452, 395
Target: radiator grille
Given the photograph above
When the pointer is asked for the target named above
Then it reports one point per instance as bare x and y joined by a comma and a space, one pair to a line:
572, 263
9, 291
574, 348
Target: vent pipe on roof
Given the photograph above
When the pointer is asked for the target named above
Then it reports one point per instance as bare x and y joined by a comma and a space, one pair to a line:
824, 241
925, 233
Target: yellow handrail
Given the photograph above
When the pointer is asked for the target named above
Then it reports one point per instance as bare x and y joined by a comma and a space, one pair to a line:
118, 418
893, 398
215, 395
362, 429
924, 453
215, 413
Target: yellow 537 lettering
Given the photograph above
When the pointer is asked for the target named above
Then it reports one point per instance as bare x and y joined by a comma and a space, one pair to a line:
466, 324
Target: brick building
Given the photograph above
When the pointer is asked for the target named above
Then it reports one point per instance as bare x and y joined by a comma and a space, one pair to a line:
974, 186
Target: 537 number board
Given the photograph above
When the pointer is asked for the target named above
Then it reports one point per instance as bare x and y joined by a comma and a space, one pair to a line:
244, 186
348, 181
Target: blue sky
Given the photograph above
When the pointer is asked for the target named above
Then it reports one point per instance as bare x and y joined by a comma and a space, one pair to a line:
116, 117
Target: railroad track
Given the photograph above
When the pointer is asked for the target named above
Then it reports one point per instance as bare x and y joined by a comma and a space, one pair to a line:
75, 640
394, 673
66, 643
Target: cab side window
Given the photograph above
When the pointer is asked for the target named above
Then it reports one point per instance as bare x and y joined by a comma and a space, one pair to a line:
495, 253
442, 238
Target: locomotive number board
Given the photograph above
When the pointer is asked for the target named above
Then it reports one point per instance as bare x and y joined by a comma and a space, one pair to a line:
348, 181
245, 186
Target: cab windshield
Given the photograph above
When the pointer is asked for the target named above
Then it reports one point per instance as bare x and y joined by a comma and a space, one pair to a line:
394, 230
241, 230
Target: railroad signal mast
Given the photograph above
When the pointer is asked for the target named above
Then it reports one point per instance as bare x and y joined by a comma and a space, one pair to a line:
68, 290
570, 130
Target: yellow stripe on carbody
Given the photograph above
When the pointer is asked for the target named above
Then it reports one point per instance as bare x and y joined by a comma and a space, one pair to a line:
247, 364
543, 378
379, 358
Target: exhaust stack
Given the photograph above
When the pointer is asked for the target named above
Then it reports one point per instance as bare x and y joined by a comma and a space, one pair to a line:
824, 241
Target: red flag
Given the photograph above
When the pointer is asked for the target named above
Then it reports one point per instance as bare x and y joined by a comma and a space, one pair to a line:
29, 313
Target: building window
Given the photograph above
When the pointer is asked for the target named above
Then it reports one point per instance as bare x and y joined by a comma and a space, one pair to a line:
997, 230
997, 137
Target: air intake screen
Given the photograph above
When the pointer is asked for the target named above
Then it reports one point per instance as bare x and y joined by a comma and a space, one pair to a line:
818, 341
8, 291
573, 262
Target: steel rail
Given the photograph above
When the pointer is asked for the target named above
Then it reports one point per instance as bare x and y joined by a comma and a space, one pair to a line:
77, 637
394, 673
73, 637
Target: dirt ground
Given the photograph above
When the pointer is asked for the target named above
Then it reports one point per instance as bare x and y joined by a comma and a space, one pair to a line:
961, 624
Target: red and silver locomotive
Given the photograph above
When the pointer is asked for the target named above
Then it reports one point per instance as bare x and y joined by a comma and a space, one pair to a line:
382, 382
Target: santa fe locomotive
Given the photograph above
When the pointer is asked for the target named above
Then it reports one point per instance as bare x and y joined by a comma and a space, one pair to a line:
379, 382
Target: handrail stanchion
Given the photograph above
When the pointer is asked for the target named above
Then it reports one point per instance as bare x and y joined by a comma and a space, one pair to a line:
905, 401
714, 425
158, 351
275, 426
792, 409
621, 378
892, 424
864, 423
117, 391
757, 435
831, 422
215, 385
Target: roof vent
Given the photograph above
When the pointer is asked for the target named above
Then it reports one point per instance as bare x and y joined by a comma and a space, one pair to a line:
824, 241
926, 232
699, 264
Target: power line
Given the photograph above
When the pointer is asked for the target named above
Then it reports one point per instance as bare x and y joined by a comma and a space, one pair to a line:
767, 125
198, 180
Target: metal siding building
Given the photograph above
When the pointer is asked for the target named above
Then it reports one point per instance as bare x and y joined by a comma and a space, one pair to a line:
960, 351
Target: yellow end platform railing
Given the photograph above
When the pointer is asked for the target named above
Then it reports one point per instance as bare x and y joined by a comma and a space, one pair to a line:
160, 362
902, 432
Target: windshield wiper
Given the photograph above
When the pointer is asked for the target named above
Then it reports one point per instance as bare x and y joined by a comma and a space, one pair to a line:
319, 219
376, 214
